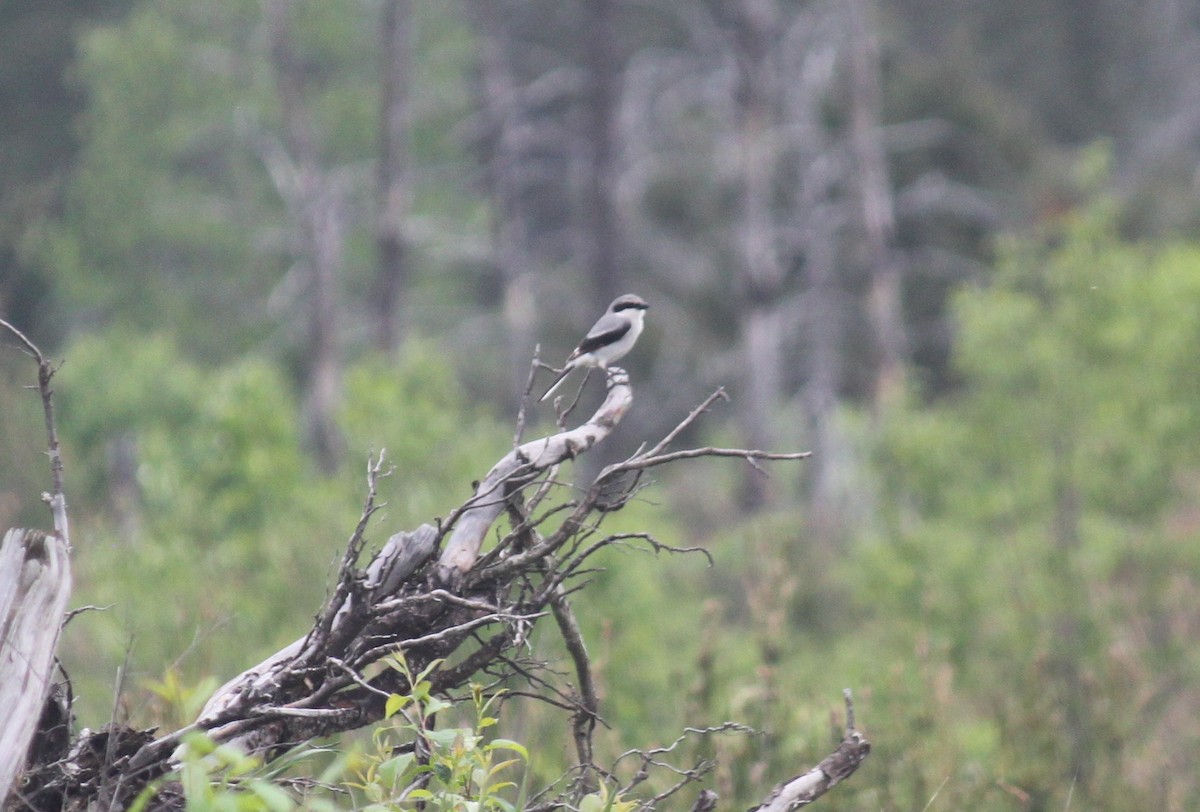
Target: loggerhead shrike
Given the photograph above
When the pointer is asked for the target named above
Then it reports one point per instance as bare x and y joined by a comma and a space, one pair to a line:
609, 339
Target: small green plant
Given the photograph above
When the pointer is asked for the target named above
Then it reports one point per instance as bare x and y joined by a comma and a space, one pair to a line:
453, 768
179, 701
220, 778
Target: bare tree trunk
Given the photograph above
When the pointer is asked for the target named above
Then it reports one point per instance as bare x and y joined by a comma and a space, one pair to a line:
500, 106
820, 398
35, 583
393, 181
599, 228
877, 211
757, 241
318, 210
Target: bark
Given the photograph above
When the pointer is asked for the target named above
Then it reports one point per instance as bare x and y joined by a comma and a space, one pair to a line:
35, 583
393, 180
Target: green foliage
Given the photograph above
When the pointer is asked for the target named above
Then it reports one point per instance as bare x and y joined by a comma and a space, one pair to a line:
605, 801
1011, 624
458, 769
169, 193
176, 217
437, 441
1026, 519
461, 769
1018, 622
181, 702
224, 504
220, 778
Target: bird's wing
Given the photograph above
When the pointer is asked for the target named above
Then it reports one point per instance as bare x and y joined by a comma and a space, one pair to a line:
610, 328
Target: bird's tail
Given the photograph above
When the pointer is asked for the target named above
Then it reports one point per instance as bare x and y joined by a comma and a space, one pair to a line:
562, 376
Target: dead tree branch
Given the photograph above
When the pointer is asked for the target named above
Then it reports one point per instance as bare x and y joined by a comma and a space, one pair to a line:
833, 769
466, 610
46, 370
520, 467
35, 584
583, 721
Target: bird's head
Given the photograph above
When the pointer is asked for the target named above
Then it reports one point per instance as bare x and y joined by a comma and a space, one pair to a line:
628, 302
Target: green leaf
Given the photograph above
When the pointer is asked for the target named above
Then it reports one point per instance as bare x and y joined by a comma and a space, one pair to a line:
429, 669
275, 798
395, 703
144, 797
447, 736
436, 704
498, 767
391, 770
198, 745
508, 744
591, 803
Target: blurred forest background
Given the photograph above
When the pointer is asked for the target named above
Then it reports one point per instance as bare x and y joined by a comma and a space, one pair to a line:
951, 248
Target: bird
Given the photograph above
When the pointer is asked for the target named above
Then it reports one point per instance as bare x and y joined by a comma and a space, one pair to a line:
613, 335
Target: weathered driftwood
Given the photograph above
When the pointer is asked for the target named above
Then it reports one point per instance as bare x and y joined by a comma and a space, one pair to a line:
35, 583
469, 608
403, 601
521, 466
400, 557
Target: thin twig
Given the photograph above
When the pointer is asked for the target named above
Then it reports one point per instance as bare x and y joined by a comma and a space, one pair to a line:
648, 759
80, 610
584, 720
357, 678
747, 454
436, 595
56, 499
566, 701
693, 415
534, 365
724, 727
697, 773
561, 416
346, 572
437, 637
658, 546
